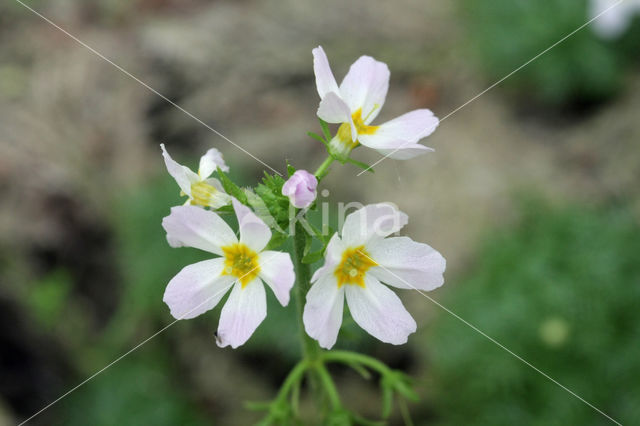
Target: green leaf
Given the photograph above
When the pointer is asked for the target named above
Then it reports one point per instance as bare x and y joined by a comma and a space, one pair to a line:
317, 137
231, 188
365, 166
277, 239
325, 129
290, 169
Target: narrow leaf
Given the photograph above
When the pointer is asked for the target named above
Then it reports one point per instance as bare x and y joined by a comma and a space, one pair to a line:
365, 166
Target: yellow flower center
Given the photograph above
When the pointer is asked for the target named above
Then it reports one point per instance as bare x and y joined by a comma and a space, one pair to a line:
344, 131
241, 262
202, 193
353, 267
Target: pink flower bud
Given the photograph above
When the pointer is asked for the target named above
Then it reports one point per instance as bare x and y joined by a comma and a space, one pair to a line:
301, 189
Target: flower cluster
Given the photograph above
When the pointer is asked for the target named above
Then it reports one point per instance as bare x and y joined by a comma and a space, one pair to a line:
357, 260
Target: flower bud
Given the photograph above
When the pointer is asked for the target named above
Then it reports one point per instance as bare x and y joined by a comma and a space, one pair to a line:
301, 189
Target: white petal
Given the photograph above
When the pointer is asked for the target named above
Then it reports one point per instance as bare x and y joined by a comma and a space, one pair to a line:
197, 288
325, 81
333, 109
405, 263
253, 231
365, 86
220, 198
245, 309
332, 256
182, 174
192, 226
276, 269
210, 161
322, 315
379, 311
371, 221
403, 132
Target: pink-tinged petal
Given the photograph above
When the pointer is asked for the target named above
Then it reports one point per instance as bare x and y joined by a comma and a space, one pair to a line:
243, 312
325, 81
253, 231
407, 264
397, 138
191, 226
333, 109
379, 311
276, 269
332, 256
197, 289
183, 176
300, 188
210, 161
370, 222
365, 86
322, 315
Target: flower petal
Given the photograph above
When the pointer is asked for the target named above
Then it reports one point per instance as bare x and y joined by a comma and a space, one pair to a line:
191, 226
276, 269
333, 109
322, 315
332, 256
197, 288
402, 133
365, 86
220, 198
182, 174
253, 231
371, 221
379, 311
210, 161
243, 312
325, 81
407, 264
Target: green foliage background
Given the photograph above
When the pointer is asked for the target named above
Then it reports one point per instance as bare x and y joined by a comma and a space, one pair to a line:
561, 289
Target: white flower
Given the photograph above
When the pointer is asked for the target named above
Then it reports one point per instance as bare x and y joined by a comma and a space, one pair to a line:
357, 102
300, 188
355, 265
617, 18
201, 189
244, 264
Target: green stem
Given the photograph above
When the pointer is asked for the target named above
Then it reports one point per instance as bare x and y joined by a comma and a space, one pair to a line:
310, 349
329, 386
293, 378
349, 357
324, 168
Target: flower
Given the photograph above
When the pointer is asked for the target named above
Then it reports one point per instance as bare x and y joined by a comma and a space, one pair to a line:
617, 18
355, 264
243, 264
201, 189
357, 102
301, 189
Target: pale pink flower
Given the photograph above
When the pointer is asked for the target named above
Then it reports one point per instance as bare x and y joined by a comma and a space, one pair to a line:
357, 102
201, 189
301, 189
356, 263
243, 265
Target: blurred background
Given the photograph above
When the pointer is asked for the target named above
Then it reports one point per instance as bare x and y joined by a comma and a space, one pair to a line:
532, 196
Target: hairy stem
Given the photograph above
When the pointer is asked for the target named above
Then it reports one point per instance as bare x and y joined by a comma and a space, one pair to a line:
310, 349
324, 168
